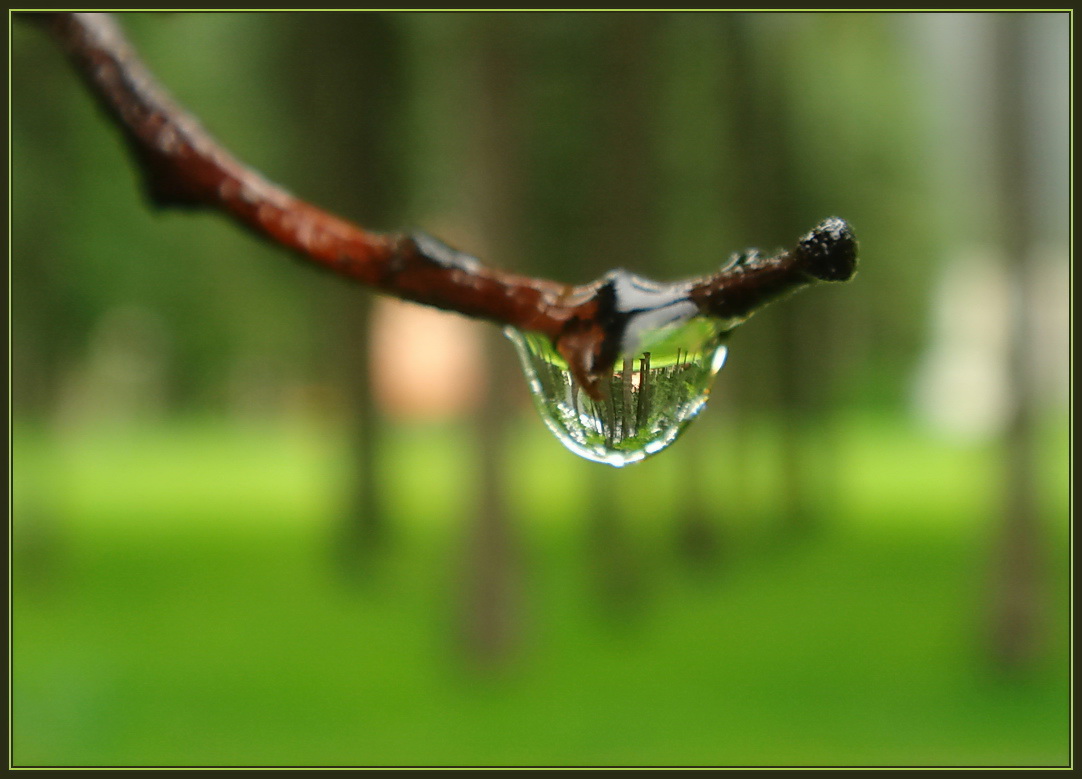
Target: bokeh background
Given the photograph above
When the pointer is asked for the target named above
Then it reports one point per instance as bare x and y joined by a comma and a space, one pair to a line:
263, 517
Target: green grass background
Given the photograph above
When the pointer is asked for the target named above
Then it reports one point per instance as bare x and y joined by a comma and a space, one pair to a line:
176, 601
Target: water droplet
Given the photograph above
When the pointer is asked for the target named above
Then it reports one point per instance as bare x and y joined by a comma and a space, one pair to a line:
658, 383
633, 360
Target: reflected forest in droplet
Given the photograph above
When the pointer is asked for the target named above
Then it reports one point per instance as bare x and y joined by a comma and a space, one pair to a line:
648, 397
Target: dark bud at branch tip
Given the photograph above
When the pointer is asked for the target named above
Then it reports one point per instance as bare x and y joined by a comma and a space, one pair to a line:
829, 252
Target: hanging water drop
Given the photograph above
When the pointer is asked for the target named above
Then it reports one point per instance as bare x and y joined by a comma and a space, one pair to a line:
633, 360
645, 400
653, 364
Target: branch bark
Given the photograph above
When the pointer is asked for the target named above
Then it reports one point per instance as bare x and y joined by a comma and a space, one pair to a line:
183, 166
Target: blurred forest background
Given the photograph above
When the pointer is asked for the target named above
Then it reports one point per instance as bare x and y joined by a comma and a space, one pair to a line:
262, 517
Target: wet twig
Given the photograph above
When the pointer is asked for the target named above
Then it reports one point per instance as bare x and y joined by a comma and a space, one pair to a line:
183, 166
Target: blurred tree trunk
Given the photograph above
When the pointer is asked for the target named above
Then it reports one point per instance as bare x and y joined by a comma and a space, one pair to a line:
49, 319
624, 233
699, 538
782, 362
350, 96
697, 219
494, 605
1018, 560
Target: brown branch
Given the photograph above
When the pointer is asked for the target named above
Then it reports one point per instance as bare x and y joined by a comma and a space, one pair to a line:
183, 166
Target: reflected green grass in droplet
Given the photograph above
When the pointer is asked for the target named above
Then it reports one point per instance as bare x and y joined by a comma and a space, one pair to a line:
647, 398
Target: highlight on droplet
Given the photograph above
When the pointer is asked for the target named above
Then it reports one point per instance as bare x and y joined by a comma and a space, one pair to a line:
655, 388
